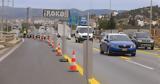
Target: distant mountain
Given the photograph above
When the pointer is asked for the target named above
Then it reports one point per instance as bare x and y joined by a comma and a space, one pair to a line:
11, 13
145, 11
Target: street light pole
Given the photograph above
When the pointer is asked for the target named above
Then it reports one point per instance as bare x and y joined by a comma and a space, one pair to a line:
12, 3
110, 8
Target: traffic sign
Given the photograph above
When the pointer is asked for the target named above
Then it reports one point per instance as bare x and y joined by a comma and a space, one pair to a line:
55, 13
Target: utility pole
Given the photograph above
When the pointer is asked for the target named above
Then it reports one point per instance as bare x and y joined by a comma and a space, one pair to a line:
110, 8
151, 11
12, 3
28, 17
2, 23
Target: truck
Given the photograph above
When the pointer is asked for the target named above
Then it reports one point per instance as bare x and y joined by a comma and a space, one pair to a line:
67, 31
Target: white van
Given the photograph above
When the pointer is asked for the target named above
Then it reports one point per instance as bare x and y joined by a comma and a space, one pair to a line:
81, 33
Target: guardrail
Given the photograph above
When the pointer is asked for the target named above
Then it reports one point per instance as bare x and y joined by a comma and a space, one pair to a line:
5, 37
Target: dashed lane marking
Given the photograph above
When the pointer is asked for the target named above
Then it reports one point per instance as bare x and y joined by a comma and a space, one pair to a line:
140, 64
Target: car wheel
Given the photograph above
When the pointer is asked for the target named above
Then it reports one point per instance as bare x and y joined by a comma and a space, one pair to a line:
75, 40
136, 47
78, 41
101, 51
133, 54
152, 48
145, 48
108, 52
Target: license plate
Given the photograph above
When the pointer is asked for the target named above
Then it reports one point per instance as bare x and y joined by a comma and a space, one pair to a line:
125, 49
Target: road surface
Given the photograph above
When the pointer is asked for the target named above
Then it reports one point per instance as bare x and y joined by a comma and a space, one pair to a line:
142, 69
35, 63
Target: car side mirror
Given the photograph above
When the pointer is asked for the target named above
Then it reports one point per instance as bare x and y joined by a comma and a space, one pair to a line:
76, 31
59, 36
106, 40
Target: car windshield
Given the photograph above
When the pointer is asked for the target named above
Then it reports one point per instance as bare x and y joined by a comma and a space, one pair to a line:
119, 38
85, 30
142, 35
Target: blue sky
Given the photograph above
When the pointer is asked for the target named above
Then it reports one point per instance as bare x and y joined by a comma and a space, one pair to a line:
85, 4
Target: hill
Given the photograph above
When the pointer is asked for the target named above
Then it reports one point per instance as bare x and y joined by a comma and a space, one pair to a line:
13, 13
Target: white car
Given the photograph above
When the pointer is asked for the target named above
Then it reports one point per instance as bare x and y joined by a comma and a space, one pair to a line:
81, 33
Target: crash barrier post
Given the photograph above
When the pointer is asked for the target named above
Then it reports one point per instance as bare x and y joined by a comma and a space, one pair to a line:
88, 59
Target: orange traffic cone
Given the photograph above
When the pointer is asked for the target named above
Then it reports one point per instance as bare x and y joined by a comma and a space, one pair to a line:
58, 50
73, 67
49, 42
53, 44
41, 38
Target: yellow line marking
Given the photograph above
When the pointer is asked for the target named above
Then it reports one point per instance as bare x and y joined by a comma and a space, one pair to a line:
157, 48
125, 58
93, 81
96, 49
80, 70
156, 55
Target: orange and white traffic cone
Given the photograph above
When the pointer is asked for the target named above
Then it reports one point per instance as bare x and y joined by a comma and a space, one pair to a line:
53, 44
41, 38
58, 50
73, 67
48, 41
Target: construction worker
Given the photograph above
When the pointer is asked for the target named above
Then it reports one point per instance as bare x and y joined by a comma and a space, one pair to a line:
24, 33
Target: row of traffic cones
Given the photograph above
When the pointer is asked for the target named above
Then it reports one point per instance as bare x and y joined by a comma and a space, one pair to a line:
58, 50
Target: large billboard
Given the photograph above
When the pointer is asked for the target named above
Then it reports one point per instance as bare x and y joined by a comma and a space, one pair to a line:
55, 13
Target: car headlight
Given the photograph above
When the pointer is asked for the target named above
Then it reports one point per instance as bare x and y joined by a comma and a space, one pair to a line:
133, 46
152, 41
91, 36
139, 40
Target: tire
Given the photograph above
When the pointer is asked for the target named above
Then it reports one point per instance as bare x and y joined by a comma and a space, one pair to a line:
145, 48
101, 51
78, 40
136, 47
108, 52
133, 54
75, 40
152, 48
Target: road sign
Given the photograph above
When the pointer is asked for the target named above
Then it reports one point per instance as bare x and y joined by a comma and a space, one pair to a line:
55, 13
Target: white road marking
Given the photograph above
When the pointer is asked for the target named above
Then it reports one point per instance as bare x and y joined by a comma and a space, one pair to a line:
11, 51
140, 64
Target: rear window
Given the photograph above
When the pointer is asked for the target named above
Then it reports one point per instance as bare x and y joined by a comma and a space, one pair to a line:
142, 35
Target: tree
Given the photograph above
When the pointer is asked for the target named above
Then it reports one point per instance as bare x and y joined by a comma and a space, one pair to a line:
111, 23
107, 24
102, 24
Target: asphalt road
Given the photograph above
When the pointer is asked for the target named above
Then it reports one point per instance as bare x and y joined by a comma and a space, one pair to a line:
142, 69
35, 63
